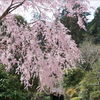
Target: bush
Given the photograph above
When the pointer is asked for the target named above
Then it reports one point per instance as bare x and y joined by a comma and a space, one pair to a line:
91, 54
10, 86
95, 95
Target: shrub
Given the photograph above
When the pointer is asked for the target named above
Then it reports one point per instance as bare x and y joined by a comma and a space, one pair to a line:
95, 95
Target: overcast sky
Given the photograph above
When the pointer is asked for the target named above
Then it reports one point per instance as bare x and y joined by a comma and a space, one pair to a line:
96, 4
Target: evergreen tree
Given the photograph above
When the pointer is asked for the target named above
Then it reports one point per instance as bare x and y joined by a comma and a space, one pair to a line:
94, 27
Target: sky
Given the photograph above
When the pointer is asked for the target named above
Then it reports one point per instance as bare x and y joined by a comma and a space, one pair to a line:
96, 4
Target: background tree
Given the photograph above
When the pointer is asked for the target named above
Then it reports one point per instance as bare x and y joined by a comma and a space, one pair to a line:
90, 54
76, 32
71, 80
94, 27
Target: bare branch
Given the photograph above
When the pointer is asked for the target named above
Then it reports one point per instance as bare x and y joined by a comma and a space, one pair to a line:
12, 2
11, 8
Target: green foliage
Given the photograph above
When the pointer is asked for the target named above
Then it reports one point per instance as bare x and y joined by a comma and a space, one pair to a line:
89, 87
93, 77
40, 96
94, 27
32, 91
86, 86
73, 77
95, 95
9, 86
83, 90
47, 98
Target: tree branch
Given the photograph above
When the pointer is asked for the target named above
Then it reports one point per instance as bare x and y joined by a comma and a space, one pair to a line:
11, 8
